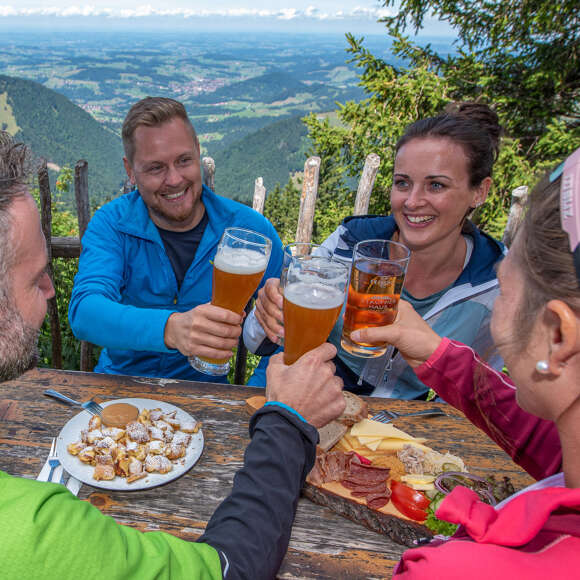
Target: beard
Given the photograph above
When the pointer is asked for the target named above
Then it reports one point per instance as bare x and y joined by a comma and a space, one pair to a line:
18, 342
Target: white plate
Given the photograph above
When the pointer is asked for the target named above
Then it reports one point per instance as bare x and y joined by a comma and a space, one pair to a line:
71, 433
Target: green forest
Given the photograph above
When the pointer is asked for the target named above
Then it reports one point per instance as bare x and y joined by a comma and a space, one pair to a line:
274, 152
523, 59
63, 133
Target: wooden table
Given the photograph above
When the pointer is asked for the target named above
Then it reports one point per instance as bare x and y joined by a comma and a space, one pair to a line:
323, 544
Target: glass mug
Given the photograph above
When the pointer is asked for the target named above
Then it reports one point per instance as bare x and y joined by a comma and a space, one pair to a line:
238, 267
376, 280
314, 290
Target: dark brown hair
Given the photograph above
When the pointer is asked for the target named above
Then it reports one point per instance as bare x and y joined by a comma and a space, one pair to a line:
473, 126
151, 112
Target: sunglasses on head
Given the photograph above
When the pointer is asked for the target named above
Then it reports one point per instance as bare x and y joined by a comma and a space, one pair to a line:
570, 203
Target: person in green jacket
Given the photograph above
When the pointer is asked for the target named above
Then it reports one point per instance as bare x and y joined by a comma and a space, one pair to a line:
46, 532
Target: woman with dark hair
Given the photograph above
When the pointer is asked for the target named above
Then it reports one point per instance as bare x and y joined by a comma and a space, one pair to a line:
534, 414
442, 171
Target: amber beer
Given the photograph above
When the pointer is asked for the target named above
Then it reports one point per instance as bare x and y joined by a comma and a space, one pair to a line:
239, 264
236, 275
310, 312
376, 282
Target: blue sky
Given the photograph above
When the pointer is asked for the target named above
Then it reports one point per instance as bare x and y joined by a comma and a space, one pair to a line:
359, 16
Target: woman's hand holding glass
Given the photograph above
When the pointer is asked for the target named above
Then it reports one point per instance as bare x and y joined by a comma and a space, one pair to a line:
409, 333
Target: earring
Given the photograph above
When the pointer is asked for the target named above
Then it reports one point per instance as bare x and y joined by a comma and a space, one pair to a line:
542, 367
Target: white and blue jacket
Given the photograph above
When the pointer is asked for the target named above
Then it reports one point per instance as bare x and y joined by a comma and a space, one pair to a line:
125, 289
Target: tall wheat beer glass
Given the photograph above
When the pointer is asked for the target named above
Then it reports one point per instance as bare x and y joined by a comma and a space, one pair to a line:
239, 264
297, 250
376, 280
314, 289
301, 250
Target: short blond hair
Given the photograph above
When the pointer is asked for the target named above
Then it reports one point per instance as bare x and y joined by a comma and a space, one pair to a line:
151, 112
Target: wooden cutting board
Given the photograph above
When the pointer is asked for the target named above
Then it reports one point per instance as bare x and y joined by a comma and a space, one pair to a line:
388, 520
255, 403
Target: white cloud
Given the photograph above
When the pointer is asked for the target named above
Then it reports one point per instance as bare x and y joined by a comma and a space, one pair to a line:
148, 11
8, 11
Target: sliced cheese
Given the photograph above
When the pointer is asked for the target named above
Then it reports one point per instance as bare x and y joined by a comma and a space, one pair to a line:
395, 444
417, 478
422, 486
368, 428
373, 444
365, 440
350, 440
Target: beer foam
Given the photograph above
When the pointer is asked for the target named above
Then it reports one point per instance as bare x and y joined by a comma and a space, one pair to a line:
316, 296
240, 261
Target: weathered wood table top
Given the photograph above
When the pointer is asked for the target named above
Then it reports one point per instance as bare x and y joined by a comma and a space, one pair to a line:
323, 544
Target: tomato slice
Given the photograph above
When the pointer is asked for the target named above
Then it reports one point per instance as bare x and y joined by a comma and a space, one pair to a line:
409, 501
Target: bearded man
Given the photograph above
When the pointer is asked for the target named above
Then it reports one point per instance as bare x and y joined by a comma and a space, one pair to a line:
143, 290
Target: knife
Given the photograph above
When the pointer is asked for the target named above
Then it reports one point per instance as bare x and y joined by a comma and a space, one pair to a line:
73, 485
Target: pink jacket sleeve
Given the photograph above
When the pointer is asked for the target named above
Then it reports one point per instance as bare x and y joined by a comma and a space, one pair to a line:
488, 399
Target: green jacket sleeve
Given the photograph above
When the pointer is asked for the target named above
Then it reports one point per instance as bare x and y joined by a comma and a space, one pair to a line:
46, 532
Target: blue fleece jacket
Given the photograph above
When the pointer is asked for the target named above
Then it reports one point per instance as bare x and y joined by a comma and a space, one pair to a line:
125, 289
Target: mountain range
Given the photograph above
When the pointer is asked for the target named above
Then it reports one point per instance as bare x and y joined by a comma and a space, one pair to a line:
61, 132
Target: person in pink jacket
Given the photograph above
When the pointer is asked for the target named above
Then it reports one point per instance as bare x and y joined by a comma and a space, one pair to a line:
535, 534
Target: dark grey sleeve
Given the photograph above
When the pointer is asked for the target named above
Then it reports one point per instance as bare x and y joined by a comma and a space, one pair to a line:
267, 348
251, 527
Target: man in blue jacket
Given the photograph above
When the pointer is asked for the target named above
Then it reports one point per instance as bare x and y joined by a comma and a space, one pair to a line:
143, 288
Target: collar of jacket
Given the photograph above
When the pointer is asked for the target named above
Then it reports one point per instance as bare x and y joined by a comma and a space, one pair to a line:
141, 225
480, 269
554, 509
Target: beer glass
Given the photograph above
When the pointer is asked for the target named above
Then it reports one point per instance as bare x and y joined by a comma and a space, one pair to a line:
297, 250
301, 250
376, 280
239, 264
314, 289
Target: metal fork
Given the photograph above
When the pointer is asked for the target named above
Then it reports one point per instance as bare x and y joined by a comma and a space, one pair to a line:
52, 460
386, 416
90, 406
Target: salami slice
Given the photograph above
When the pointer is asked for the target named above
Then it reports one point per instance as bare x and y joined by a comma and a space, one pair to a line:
353, 483
364, 491
368, 473
377, 502
371, 479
